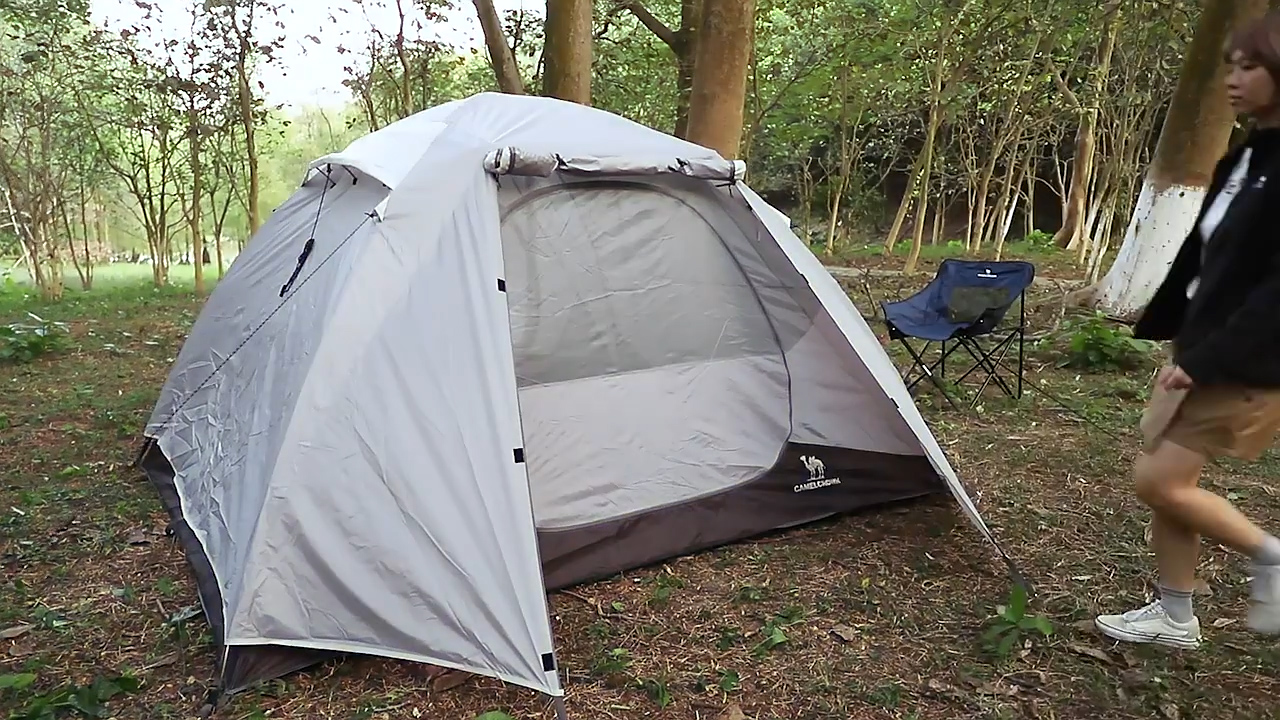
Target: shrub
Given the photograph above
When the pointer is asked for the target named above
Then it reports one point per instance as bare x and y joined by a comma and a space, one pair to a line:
24, 342
1095, 343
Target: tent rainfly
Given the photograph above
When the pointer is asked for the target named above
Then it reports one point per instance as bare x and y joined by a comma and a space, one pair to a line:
506, 345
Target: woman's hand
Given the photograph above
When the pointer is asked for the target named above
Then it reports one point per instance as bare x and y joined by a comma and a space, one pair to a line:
1174, 378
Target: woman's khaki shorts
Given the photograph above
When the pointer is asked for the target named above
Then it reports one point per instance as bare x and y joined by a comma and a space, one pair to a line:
1214, 421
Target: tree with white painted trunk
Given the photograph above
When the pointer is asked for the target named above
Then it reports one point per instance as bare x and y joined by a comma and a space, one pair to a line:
1193, 138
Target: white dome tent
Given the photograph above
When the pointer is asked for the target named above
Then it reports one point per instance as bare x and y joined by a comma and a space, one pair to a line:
507, 345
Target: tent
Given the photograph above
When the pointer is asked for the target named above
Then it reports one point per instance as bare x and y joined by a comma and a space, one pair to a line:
506, 345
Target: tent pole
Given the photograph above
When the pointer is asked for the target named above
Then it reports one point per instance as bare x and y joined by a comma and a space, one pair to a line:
558, 704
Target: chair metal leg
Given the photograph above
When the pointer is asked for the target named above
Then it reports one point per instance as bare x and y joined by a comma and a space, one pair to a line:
927, 372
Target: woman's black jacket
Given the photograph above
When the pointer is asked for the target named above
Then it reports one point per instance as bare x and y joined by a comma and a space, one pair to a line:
1229, 331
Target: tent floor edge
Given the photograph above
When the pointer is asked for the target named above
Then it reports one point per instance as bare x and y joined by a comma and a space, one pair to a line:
810, 483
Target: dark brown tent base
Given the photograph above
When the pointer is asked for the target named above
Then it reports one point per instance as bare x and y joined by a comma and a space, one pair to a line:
787, 496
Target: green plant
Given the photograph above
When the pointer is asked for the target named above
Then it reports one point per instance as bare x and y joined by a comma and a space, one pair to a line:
1098, 344
1038, 238
24, 342
656, 689
1013, 624
664, 585
88, 701
615, 662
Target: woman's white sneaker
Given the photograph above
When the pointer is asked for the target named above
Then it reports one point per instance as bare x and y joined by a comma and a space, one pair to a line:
1151, 625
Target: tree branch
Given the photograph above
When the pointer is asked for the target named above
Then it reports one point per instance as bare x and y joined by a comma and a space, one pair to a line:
656, 26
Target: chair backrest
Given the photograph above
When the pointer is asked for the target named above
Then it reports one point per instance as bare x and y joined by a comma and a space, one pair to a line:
979, 293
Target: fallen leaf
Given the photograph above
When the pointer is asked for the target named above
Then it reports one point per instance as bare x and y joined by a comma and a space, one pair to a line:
1223, 622
165, 661
449, 681
1170, 711
138, 537
1085, 626
15, 632
998, 689
1092, 652
732, 712
1135, 678
1029, 679
1202, 588
844, 632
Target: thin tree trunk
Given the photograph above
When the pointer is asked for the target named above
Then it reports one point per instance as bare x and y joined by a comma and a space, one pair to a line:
1071, 232
924, 162
939, 214
197, 194
904, 205
500, 54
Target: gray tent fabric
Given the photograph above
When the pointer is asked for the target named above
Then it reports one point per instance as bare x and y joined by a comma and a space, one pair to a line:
478, 384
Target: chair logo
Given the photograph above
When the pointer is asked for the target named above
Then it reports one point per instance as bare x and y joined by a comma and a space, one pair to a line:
817, 475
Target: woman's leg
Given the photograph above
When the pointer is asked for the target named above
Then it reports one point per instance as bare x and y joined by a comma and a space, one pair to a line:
1167, 481
1167, 470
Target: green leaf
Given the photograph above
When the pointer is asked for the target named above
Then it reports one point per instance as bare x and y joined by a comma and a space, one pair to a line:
17, 682
1017, 602
729, 680
1038, 623
1007, 644
494, 715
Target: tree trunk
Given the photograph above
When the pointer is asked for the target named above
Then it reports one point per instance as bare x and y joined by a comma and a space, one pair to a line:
500, 54
248, 121
939, 221
904, 206
567, 51
1072, 231
926, 171
687, 48
1194, 136
53, 286
924, 162
719, 89
197, 194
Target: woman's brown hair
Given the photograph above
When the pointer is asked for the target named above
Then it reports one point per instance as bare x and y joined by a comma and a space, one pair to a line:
1258, 41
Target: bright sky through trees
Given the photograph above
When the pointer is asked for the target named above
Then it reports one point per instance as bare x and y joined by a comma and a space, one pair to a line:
310, 73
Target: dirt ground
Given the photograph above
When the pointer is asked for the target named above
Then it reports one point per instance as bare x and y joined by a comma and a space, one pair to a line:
881, 614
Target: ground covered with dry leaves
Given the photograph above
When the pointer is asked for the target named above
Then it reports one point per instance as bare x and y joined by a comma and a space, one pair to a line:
884, 614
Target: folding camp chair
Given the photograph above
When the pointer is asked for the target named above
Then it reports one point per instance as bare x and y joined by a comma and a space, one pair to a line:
962, 307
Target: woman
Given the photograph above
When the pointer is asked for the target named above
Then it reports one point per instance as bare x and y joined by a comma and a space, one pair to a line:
1220, 304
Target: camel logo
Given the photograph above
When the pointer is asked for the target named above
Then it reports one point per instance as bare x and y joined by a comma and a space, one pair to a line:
817, 475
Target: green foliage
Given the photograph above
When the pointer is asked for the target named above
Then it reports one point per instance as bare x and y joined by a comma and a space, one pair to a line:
657, 690
494, 715
615, 661
1039, 239
88, 701
25, 342
1013, 625
1098, 344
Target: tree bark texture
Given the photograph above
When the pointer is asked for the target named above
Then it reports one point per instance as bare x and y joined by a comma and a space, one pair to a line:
567, 51
719, 88
500, 54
